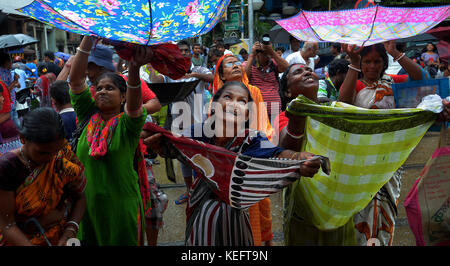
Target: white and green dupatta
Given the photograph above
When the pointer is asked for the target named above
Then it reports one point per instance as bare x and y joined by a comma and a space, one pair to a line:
365, 148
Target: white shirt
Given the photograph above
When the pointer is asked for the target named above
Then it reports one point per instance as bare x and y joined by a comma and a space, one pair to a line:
227, 52
393, 67
297, 58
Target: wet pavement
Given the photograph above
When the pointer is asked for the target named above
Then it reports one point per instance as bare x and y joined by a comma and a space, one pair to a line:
172, 233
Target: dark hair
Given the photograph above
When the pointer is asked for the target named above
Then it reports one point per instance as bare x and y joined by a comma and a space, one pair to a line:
337, 46
41, 66
228, 84
216, 52
196, 44
42, 125
4, 57
219, 93
59, 91
284, 88
1, 88
379, 48
116, 79
338, 66
280, 48
220, 44
243, 51
50, 55
425, 48
184, 42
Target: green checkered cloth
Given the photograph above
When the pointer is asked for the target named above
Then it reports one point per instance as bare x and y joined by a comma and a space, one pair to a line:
365, 147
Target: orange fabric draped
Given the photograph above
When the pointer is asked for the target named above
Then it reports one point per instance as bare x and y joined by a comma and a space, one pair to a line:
260, 216
42, 191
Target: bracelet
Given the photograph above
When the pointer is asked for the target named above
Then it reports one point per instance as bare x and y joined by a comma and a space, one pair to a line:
134, 87
71, 229
292, 135
83, 51
354, 68
295, 154
400, 57
73, 223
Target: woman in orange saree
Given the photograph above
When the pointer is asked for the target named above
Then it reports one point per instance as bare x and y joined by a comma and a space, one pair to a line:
41, 185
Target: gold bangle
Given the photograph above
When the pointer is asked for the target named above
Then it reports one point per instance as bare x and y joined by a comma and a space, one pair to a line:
293, 155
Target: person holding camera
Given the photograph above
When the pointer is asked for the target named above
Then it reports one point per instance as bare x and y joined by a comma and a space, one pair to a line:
263, 68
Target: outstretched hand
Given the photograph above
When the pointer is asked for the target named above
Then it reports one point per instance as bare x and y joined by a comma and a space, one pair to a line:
353, 53
143, 55
309, 168
153, 141
391, 48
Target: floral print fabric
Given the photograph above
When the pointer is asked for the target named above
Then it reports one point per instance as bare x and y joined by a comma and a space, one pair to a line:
136, 21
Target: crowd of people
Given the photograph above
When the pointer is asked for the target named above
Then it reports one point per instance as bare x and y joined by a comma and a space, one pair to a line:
82, 171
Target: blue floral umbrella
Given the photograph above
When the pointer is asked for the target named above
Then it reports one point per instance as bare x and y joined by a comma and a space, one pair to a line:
135, 21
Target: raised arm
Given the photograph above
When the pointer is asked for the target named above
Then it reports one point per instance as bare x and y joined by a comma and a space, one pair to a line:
133, 106
78, 74
64, 74
347, 90
414, 70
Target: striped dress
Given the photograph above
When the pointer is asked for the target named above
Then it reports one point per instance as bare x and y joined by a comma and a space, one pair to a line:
210, 220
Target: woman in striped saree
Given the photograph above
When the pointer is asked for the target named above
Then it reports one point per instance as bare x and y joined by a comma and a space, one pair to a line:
211, 220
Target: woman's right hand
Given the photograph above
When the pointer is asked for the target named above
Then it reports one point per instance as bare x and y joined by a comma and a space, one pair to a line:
153, 141
353, 53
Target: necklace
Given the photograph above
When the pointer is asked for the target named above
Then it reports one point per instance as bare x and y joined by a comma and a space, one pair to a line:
28, 165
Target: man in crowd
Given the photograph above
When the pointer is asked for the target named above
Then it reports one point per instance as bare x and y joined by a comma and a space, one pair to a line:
305, 55
49, 58
295, 46
197, 58
335, 50
262, 68
329, 87
59, 93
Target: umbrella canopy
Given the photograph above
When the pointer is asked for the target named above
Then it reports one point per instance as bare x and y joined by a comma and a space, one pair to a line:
365, 26
16, 40
279, 35
442, 33
134, 21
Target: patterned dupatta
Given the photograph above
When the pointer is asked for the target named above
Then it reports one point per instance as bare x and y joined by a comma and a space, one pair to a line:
99, 137
238, 180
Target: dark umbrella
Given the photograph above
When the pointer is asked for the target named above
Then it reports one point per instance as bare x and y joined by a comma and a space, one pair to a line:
231, 41
279, 35
16, 40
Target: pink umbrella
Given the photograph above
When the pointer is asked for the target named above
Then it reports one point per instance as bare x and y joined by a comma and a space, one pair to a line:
365, 26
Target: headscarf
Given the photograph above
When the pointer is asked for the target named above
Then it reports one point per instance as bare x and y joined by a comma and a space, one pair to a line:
261, 122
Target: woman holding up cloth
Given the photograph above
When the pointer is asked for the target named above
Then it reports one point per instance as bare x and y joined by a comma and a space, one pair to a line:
106, 147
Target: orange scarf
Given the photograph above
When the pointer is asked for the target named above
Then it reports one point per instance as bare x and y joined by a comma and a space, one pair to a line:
259, 214
42, 191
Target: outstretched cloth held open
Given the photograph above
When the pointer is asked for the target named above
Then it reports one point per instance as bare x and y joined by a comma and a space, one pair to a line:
365, 148
238, 180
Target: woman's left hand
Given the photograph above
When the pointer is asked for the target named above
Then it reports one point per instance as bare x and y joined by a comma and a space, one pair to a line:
445, 114
66, 236
391, 48
143, 55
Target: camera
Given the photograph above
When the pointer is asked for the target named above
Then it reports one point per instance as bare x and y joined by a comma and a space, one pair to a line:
266, 39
